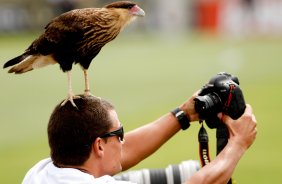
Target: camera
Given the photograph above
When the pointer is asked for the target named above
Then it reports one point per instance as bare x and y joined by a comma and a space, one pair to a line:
221, 94
173, 174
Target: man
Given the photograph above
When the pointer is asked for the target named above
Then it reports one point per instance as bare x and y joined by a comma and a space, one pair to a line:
88, 145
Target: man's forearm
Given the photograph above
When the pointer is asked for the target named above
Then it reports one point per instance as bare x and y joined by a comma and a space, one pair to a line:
143, 141
219, 171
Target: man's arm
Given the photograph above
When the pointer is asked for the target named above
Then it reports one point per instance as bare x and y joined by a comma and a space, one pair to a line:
142, 142
242, 135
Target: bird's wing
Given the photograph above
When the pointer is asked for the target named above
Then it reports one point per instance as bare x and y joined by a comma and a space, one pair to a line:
61, 35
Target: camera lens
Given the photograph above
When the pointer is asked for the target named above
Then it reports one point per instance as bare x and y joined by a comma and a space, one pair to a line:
158, 176
173, 174
207, 105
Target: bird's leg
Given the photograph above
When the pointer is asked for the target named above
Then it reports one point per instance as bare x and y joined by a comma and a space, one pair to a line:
87, 87
70, 95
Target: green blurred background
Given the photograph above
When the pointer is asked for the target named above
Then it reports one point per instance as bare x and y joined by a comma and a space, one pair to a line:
147, 73
146, 77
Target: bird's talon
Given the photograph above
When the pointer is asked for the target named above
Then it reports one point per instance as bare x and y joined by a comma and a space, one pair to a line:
70, 98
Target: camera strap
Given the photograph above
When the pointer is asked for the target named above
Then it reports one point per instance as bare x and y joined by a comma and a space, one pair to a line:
203, 145
222, 139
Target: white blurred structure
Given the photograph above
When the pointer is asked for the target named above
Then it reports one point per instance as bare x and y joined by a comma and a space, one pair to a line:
167, 16
260, 17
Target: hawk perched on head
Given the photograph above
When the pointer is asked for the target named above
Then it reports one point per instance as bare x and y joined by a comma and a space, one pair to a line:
76, 36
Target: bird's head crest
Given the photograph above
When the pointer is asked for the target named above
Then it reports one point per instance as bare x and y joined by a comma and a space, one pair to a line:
129, 5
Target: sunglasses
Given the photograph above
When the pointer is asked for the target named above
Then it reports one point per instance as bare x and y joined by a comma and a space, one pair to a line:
119, 132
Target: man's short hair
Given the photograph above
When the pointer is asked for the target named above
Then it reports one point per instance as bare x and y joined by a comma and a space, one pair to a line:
71, 130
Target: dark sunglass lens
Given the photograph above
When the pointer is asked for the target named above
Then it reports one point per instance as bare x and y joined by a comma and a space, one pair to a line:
121, 135
118, 133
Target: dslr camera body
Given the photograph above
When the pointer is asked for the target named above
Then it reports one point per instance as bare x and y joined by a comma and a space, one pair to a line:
221, 94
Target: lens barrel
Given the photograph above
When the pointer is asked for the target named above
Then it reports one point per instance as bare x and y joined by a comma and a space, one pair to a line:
208, 105
173, 174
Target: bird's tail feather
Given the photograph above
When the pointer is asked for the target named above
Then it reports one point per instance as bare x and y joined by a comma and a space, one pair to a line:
14, 61
25, 63
21, 64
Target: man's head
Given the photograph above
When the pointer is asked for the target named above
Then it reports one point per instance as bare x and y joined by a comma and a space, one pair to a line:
71, 131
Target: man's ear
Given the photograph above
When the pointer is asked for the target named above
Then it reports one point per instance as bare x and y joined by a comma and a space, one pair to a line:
98, 147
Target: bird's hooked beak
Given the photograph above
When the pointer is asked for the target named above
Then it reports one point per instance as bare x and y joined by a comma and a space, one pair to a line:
137, 11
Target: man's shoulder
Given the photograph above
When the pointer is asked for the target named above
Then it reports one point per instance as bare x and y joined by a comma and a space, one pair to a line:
44, 171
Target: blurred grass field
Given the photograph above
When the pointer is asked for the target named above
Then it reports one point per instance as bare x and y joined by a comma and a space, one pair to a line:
146, 77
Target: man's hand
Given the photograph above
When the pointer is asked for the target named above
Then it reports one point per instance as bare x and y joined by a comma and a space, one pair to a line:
243, 130
189, 108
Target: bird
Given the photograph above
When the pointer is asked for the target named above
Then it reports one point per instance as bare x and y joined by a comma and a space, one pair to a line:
76, 37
